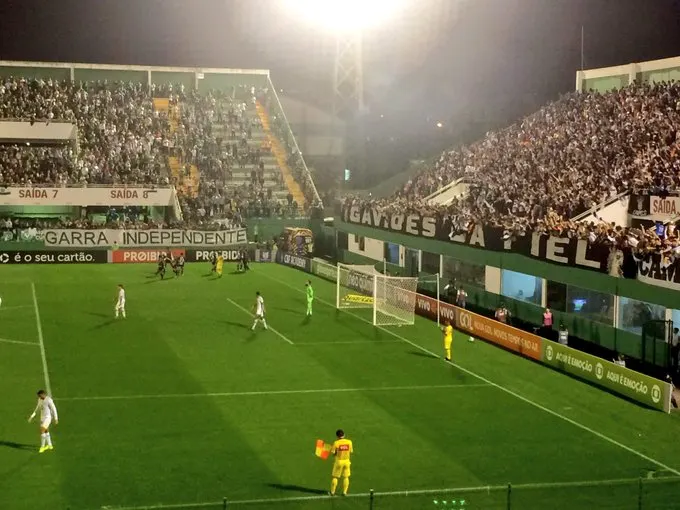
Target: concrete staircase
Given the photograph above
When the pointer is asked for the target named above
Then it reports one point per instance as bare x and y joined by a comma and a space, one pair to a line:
279, 153
188, 184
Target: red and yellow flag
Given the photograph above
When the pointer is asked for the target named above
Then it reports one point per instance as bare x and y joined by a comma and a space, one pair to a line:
322, 450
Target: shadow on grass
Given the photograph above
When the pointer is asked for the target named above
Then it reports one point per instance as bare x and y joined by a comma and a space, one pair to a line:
16, 446
99, 314
236, 324
423, 354
295, 488
106, 324
160, 280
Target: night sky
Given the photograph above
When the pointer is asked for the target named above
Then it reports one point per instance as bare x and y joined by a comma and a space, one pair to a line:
459, 61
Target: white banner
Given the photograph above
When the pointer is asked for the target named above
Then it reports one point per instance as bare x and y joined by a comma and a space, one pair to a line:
148, 238
115, 196
668, 207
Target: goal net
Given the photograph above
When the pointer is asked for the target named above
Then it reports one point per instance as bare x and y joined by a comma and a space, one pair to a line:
392, 299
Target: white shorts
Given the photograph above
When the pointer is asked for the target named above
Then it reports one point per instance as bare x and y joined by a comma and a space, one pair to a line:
259, 315
45, 424
120, 305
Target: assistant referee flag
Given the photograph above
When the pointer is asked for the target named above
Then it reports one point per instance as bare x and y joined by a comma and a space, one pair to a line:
322, 450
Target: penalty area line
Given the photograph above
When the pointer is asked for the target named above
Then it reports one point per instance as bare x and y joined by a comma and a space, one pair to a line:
502, 388
280, 335
19, 342
278, 392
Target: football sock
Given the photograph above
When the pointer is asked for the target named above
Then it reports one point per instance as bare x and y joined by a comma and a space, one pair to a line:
49, 439
448, 354
43, 439
264, 322
345, 485
334, 485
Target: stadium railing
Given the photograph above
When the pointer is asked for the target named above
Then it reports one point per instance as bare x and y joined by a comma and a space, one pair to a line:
316, 198
645, 493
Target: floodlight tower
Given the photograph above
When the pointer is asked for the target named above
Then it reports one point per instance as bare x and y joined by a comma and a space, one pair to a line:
348, 75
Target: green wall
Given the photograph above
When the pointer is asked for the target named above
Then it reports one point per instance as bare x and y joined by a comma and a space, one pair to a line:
606, 83
56, 73
110, 75
227, 82
173, 78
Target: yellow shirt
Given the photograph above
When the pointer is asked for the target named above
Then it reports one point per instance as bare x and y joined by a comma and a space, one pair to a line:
342, 448
448, 333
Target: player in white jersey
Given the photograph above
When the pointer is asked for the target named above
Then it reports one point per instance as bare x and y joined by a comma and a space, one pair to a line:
48, 413
120, 303
259, 311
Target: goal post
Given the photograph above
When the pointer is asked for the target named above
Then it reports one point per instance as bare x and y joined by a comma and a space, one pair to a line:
392, 299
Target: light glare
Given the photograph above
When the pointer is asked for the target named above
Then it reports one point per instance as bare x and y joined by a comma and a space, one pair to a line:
346, 15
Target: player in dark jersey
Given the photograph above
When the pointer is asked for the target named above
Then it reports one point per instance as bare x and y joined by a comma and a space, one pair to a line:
213, 261
244, 260
178, 267
160, 270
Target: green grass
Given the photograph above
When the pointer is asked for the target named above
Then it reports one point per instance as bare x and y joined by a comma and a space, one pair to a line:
182, 404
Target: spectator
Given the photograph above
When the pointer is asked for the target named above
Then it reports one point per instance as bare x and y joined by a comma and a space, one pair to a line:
563, 334
547, 323
502, 314
461, 297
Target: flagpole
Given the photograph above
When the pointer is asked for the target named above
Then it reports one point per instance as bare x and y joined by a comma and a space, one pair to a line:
582, 44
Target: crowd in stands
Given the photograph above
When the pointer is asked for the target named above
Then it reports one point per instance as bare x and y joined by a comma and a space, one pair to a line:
566, 158
122, 139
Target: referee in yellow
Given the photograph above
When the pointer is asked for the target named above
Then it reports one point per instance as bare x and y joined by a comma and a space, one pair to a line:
448, 340
342, 449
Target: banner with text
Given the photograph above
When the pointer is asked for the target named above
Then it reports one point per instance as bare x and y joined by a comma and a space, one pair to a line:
624, 381
144, 238
559, 250
118, 196
54, 257
324, 270
655, 207
227, 255
294, 261
510, 338
138, 256
654, 270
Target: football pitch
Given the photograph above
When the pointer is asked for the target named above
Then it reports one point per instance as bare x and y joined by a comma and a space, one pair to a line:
181, 405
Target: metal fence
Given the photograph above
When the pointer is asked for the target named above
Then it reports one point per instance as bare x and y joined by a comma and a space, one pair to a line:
646, 493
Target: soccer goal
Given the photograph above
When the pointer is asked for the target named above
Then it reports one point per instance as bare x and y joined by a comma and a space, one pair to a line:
392, 298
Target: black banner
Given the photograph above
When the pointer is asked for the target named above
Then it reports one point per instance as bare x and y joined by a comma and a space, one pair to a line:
638, 205
559, 250
295, 261
656, 270
227, 255
54, 257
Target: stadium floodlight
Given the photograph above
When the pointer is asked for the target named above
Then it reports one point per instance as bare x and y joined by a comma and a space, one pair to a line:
346, 15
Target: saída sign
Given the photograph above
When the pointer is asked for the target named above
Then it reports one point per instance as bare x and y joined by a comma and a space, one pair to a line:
559, 250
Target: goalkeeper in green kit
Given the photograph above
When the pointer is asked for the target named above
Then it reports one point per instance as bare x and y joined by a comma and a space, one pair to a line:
310, 297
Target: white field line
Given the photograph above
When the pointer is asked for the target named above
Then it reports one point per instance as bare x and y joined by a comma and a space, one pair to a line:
352, 342
277, 392
41, 340
5, 308
268, 327
446, 492
504, 389
8, 341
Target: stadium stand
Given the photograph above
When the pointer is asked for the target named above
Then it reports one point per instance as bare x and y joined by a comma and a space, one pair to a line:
564, 159
223, 152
